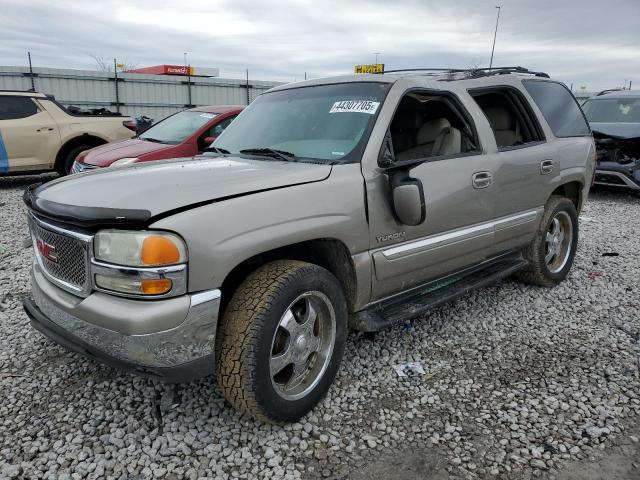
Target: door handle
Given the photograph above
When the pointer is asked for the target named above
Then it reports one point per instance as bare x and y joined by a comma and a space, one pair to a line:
546, 167
45, 129
482, 179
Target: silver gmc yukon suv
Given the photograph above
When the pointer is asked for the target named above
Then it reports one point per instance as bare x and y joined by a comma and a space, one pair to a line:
343, 203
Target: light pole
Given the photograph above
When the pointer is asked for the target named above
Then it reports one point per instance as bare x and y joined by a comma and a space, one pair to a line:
495, 34
376, 54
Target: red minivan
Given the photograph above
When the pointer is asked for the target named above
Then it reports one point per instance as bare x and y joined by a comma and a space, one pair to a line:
183, 134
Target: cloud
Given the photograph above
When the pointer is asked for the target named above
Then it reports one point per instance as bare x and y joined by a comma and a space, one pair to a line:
576, 41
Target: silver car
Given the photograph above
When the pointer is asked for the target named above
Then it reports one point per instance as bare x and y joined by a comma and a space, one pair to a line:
349, 202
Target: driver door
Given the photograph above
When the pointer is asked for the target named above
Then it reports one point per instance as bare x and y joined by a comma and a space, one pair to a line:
434, 132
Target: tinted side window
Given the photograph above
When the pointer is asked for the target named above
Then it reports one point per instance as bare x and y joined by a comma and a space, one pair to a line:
16, 107
559, 108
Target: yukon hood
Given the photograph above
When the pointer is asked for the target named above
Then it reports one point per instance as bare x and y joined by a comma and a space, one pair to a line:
134, 194
620, 131
105, 155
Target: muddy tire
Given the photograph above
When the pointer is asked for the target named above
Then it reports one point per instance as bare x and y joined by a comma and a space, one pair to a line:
552, 250
281, 340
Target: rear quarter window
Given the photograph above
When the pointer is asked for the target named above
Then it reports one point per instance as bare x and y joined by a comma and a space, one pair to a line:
12, 108
559, 108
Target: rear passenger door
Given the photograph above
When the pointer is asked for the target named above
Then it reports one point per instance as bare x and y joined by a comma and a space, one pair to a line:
29, 133
524, 162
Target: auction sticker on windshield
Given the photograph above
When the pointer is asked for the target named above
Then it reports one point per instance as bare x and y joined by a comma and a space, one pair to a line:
357, 106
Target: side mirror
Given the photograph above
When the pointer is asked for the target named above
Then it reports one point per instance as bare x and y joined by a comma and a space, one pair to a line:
209, 140
407, 198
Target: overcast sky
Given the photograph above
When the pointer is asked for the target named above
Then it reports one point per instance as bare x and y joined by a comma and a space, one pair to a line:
584, 42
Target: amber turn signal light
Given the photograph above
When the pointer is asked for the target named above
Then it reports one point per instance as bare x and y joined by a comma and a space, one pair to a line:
155, 286
157, 250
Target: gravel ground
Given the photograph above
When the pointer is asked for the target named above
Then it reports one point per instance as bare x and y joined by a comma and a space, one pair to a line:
521, 382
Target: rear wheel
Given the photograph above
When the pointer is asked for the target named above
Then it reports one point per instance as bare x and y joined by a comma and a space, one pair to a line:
552, 250
281, 340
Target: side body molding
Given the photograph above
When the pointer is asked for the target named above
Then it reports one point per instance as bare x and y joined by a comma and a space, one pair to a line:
425, 251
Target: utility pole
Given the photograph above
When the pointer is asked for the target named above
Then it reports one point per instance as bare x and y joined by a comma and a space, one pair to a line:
189, 85
115, 80
495, 34
247, 85
376, 54
33, 83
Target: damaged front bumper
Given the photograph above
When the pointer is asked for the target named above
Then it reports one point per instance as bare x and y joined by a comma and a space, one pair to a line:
618, 155
120, 332
616, 174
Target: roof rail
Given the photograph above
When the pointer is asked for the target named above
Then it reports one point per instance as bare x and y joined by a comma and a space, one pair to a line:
473, 72
15, 90
609, 90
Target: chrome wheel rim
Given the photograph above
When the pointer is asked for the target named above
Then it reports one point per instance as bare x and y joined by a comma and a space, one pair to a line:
558, 241
302, 345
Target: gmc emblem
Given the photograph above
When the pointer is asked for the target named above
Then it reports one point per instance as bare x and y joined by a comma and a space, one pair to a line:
47, 251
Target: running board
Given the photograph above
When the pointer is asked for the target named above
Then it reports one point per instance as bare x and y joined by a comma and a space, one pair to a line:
425, 298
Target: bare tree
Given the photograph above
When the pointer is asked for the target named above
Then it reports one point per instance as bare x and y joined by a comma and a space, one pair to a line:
106, 65
102, 64
473, 68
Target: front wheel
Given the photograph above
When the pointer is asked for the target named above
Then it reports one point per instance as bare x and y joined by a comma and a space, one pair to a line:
553, 248
281, 340
66, 163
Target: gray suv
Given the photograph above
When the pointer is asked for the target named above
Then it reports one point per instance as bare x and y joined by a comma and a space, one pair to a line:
333, 204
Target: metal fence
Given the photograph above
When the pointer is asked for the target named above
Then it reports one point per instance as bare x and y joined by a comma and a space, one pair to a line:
155, 96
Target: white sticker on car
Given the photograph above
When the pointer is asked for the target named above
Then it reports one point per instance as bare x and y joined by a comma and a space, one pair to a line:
208, 115
357, 106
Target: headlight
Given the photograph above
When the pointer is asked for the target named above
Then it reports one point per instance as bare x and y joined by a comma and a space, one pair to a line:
124, 161
139, 249
135, 263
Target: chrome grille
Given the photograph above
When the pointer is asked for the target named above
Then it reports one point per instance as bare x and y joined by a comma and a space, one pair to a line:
78, 167
64, 258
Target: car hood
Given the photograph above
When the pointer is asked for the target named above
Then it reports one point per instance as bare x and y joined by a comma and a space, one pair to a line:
105, 155
616, 130
136, 193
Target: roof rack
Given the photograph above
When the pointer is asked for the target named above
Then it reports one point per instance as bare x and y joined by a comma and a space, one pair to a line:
15, 90
609, 90
472, 72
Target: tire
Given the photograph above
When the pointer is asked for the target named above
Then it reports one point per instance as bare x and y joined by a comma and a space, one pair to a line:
548, 272
264, 323
64, 166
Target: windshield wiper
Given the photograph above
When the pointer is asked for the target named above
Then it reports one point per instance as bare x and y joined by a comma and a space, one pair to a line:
221, 151
149, 139
271, 152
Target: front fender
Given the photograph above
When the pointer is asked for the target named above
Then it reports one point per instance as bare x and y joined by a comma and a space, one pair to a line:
222, 235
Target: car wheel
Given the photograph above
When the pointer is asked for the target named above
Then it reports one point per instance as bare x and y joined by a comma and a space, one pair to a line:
281, 340
552, 250
64, 167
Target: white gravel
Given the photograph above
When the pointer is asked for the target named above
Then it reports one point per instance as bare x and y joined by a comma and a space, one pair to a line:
521, 381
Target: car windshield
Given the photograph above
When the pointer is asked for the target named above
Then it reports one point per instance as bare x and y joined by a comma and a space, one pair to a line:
326, 123
176, 128
612, 110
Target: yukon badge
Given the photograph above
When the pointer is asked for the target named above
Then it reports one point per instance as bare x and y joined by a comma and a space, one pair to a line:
47, 251
390, 236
